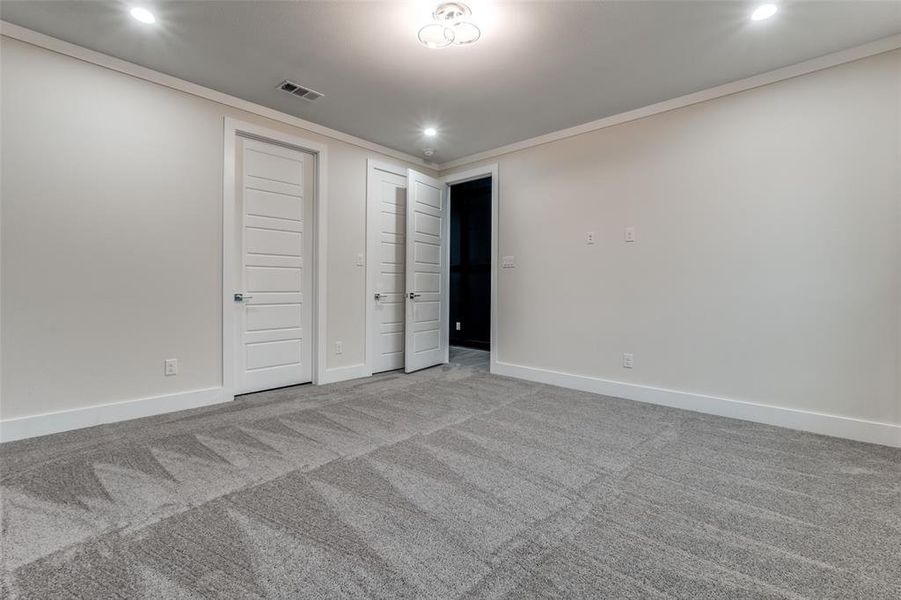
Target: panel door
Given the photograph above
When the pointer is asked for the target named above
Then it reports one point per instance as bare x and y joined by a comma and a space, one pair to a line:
274, 320
388, 198
427, 299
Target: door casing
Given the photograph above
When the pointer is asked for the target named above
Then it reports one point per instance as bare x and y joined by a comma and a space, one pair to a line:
490, 170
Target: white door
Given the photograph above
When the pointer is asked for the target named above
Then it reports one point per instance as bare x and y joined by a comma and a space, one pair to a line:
387, 201
427, 297
274, 205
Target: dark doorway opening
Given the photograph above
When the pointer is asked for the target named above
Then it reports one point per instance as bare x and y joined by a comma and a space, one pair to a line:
470, 264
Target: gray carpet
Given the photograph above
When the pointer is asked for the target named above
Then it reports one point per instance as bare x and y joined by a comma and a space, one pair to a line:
448, 483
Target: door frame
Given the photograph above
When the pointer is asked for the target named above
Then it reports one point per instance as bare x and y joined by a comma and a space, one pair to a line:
232, 129
490, 170
372, 249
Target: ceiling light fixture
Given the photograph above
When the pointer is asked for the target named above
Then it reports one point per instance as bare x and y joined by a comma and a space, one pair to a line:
430, 131
764, 11
143, 15
451, 26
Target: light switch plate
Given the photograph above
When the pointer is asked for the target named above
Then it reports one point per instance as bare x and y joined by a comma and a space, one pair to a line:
509, 262
360, 260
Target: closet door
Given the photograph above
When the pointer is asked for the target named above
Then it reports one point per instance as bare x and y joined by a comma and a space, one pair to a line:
427, 298
387, 205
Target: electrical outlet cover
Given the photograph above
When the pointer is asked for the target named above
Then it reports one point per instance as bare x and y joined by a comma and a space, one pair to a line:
171, 366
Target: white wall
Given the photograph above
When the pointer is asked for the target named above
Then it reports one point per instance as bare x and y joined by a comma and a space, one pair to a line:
111, 235
768, 262
767, 267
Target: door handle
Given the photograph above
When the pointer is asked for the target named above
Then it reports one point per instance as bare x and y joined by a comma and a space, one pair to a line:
414, 296
378, 295
242, 297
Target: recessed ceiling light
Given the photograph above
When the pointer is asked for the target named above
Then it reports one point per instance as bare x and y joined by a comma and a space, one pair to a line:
430, 131
143, 15
764, 11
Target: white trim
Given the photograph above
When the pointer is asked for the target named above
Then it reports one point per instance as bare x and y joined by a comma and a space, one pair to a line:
478, 173
445, 289
863, 430
232, 129
803, 68
88, 416
320, 279
336, 374
372, 248
115, 64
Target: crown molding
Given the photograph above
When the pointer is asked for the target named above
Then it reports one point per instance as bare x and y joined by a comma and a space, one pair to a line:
116, 64
34, 38
803, 68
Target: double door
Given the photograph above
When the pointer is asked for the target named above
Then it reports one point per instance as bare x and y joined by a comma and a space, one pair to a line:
408, 266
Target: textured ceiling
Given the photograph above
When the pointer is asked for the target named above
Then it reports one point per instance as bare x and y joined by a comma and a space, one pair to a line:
539, 67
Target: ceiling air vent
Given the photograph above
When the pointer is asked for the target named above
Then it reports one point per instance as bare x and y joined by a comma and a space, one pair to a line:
299, 91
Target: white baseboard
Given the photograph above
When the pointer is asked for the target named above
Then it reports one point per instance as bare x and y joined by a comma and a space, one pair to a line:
863, 430
77, 418
336, 374
887, 434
